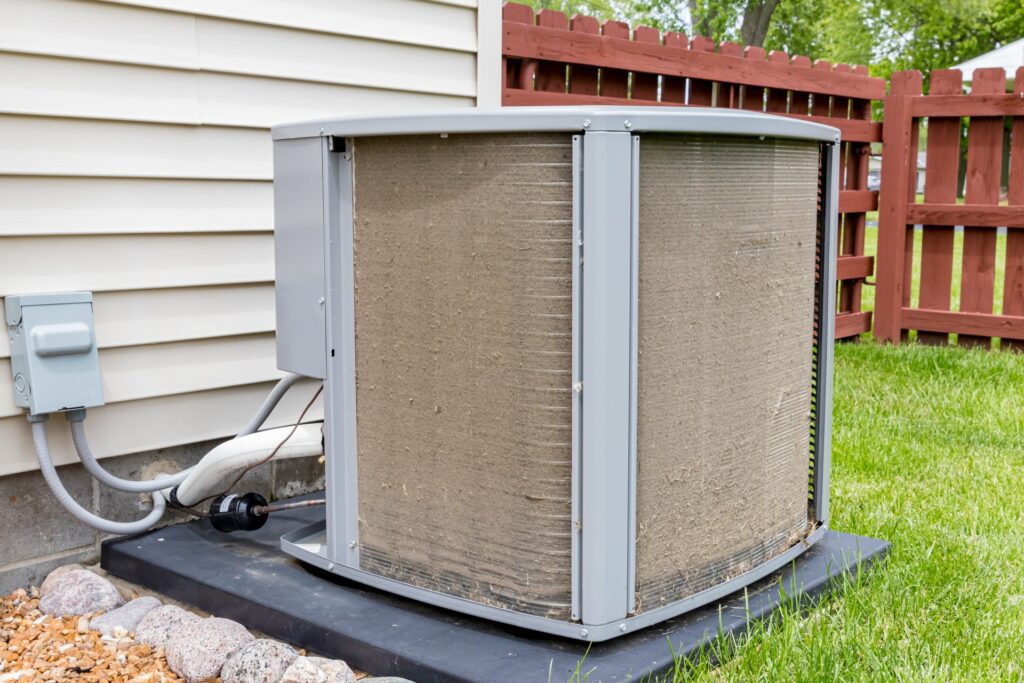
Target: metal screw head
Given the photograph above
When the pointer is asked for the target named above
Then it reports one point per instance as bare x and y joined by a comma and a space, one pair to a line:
584, 633
346, 156
586, 123
321, 301
321, 131
352, 544
622, 627
627, 123
330, 565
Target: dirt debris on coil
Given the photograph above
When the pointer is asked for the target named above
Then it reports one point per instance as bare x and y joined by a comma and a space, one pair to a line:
39, 647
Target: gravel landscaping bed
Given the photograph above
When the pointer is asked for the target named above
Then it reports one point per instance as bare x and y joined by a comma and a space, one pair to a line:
78, 626
37, 646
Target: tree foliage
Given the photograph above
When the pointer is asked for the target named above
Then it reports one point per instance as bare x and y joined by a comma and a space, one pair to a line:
887, 35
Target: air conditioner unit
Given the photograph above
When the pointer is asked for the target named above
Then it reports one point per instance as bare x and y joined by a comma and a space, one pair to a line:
577, 360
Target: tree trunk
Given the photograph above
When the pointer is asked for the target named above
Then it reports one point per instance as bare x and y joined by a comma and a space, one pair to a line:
701, 21
756, 19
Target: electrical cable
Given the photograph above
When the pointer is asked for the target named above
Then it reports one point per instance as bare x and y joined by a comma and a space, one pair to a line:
92, 465
270, 402
85, 454
77, 511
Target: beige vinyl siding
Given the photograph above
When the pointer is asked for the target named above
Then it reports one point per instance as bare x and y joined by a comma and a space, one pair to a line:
136, 163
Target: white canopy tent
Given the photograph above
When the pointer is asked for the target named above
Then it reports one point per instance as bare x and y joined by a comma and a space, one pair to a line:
1008, 57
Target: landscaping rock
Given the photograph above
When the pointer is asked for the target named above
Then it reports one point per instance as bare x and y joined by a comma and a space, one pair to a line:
161, 624
126, 617
79, 591
52, 577
318, 670
197, 651
261, 661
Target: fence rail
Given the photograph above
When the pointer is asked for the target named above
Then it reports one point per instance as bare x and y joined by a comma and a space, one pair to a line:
982, 213
550, 59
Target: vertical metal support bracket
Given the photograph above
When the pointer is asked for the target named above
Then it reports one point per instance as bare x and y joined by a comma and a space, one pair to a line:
607, 286
634, 312
577, 371
340, 387
826, 339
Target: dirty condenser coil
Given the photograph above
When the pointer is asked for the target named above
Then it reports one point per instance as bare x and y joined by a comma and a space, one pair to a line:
577, 362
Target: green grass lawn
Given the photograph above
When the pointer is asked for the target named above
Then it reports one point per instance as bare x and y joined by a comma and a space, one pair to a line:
928, 453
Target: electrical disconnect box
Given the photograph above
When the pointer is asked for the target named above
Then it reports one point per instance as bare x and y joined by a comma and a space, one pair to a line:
53, 351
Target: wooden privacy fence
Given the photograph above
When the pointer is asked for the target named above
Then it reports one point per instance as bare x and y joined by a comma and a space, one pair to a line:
933, 315
549, 59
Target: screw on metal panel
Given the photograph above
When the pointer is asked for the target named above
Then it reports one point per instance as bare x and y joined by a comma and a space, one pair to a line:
330, 565
627, 123
321, 131
622, 627
584, 633
578, 387
321, 301
352, 544
346, 156
586, 123
837, 137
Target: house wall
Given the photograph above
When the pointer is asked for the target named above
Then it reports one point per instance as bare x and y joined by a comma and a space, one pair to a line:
136, 163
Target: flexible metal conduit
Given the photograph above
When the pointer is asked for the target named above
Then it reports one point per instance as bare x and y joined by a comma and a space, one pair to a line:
77, 417
76, 510
282, 386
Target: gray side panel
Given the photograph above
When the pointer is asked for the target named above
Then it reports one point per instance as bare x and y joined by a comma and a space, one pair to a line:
827, 326
606, 375
727, 280
463, 321
299, 229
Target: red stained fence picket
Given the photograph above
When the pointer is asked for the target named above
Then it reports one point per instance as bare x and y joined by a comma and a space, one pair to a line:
935, 315
549, 59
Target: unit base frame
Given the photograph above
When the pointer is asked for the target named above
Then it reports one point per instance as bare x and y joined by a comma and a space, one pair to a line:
309, 545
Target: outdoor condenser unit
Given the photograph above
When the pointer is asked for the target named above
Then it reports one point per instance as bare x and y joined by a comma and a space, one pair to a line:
577, 361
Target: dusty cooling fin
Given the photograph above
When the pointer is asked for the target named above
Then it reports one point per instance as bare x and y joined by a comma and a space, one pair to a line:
463, 281
728, 236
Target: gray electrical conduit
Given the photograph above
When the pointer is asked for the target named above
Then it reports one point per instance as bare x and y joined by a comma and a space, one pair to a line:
76, 510
92, 466
273, 398
76, 418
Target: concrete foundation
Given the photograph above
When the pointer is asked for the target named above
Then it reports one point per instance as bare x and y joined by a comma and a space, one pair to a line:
37, 534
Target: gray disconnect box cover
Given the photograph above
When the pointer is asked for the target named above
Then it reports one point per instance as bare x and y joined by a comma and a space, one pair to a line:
53, 351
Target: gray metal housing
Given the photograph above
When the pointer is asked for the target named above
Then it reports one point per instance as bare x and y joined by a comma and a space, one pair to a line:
54, 359
316, 336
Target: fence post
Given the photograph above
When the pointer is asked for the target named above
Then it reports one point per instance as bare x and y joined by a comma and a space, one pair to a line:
1013, 290
984, 154
940, 188
897, 167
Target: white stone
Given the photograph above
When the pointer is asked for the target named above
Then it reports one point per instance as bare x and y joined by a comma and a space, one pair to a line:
261, 661
160, 624
125, 618
77, 592
318, 670
197, 651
